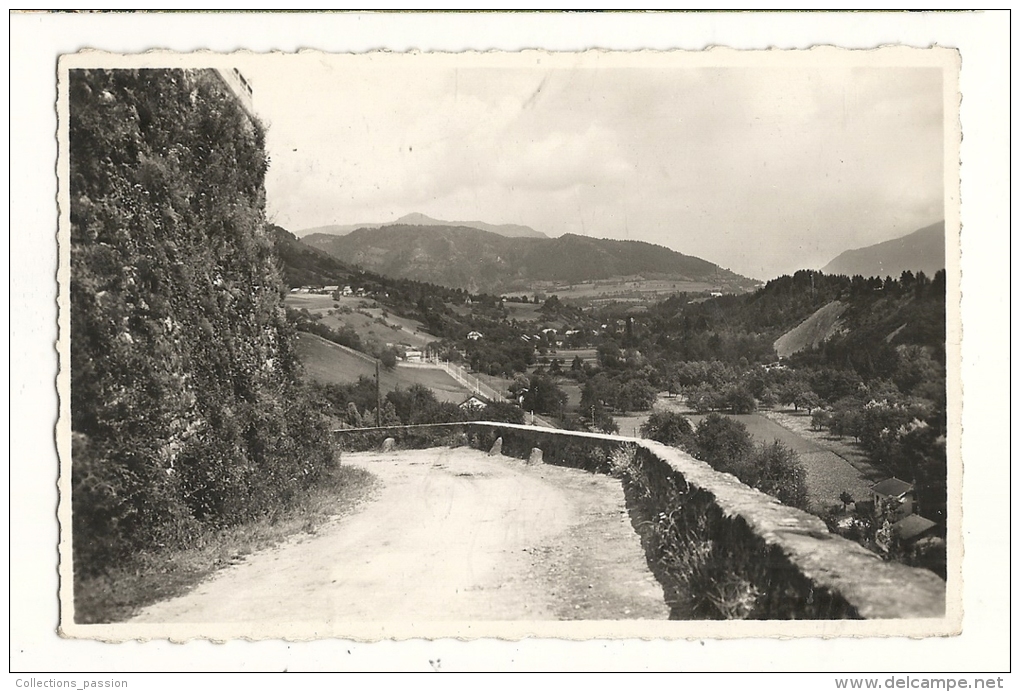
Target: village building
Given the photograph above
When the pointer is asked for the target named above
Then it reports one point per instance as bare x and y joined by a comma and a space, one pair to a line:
475, 402
894, 498
912, 528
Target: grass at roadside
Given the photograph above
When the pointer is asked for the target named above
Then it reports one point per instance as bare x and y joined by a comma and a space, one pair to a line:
150, 577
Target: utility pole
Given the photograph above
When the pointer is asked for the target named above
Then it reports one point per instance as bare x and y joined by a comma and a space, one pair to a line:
378, 397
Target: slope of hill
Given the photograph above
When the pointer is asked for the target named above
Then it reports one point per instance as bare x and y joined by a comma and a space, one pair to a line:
304, 265
476, 260
923, 250
330, 363
508, 230
812, 331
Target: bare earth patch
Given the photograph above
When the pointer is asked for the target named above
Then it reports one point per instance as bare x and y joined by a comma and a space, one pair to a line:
451, 535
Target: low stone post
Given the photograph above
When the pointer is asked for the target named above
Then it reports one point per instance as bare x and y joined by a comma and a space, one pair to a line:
497, 447
389, 444
536, 456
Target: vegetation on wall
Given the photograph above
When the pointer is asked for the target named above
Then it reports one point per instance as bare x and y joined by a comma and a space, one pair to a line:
185, 409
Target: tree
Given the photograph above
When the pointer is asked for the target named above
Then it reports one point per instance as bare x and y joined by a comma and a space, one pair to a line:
808, 400
609, 354
739, 400
551, 306
388, 358
544, 395
668, 427
846, 498
722, 442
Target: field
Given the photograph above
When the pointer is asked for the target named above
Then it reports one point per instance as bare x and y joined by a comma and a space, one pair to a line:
629, 289
365, 316
588, 355
330, 363
828, 473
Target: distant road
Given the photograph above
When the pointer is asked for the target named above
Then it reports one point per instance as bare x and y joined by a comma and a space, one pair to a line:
452, 535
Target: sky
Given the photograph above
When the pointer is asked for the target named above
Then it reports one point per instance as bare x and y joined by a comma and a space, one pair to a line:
762, 166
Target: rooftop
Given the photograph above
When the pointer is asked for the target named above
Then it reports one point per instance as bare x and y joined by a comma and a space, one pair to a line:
892, 487
912, 526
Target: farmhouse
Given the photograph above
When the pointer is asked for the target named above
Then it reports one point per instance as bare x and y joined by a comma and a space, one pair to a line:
474, 336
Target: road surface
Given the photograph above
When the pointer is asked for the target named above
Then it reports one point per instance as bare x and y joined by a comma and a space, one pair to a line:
453, 534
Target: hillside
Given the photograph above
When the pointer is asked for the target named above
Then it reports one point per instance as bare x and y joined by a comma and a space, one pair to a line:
475, 260
330, 363
812, 331
923, 250
508, 230
304, 265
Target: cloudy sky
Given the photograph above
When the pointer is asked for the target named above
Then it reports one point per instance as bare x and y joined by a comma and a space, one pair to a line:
762, 166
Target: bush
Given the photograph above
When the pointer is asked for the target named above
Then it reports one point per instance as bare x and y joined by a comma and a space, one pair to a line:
772, 468
499, 412
776, 470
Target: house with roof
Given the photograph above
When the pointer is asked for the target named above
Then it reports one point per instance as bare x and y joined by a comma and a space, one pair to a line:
912, 528
894, 498
474, 336
475, 402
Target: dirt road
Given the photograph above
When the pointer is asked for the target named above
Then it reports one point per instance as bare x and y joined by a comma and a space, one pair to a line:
452, 535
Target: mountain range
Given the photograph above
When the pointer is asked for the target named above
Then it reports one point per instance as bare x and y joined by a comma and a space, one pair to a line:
478, 260
508, 230
923, 250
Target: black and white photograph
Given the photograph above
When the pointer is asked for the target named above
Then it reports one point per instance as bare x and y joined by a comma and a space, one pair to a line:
496, 345
366, 343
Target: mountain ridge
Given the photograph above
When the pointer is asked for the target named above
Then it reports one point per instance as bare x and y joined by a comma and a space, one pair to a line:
508, 230
477, 260
921, 250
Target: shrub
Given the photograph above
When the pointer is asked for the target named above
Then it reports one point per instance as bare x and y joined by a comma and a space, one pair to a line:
776, 470
499, 412
772, 468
